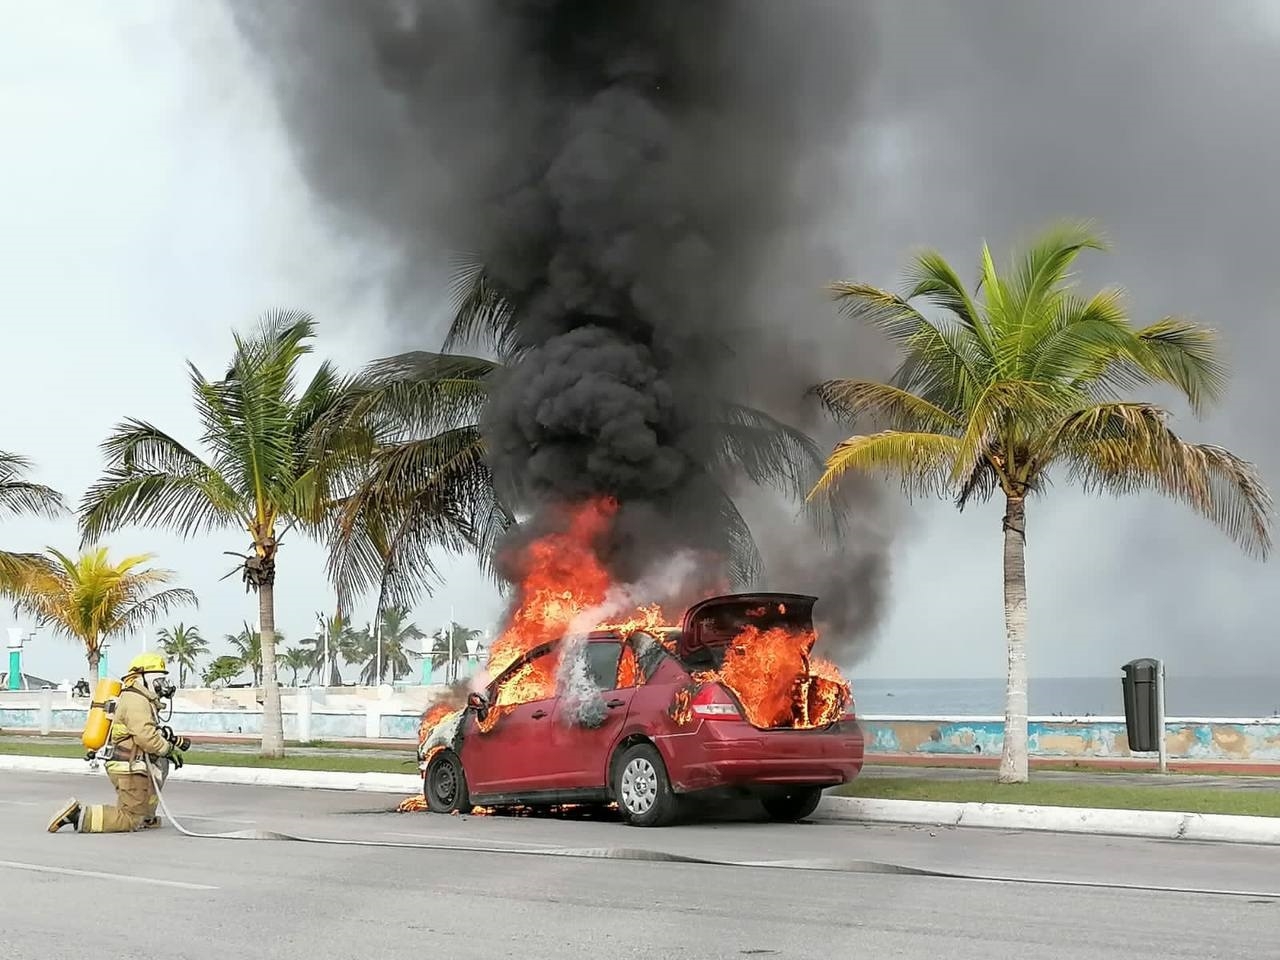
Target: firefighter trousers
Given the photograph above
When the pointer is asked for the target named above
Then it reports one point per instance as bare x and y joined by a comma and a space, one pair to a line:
135, 803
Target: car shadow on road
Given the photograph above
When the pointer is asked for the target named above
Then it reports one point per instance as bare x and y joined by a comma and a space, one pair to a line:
699, 810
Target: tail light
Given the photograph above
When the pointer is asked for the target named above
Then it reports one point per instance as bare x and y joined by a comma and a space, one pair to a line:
713, 702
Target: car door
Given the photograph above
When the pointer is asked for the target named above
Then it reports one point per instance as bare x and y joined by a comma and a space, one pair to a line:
587, 728
515, 756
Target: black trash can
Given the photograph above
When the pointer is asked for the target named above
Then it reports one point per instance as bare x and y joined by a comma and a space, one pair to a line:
1141, 706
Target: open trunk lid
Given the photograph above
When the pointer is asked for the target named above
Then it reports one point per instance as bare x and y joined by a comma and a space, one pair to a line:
759, 646
712, 625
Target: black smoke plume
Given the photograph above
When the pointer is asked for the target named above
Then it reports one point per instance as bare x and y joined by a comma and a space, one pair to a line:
648, 183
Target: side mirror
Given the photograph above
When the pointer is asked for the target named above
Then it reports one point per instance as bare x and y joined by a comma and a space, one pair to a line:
479, 703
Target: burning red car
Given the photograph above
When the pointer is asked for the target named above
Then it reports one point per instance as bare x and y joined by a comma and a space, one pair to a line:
641, 715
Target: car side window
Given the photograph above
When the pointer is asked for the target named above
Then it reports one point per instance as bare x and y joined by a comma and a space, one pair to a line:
602, 664
535, 679
649, 653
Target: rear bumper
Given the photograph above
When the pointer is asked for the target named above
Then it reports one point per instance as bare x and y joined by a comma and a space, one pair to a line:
733, 753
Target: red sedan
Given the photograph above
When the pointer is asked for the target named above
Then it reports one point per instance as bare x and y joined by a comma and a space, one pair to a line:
640, 720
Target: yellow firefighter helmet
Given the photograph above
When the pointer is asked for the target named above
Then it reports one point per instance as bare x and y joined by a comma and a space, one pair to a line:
148, 663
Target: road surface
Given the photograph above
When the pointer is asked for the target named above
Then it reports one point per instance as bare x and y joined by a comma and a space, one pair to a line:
213, 899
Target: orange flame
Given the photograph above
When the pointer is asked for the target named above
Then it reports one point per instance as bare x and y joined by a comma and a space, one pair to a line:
563, 578
629, 674
778, 683
432, 716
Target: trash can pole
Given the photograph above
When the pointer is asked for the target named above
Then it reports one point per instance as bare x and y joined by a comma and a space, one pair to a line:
1164, 749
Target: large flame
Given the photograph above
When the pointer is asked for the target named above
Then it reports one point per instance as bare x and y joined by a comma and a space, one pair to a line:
779, 683
564, 588
563, 582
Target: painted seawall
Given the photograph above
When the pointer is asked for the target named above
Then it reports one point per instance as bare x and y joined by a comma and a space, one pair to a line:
1215, 739
1187, 738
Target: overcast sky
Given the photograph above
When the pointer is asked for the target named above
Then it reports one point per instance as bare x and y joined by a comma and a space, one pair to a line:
151, 205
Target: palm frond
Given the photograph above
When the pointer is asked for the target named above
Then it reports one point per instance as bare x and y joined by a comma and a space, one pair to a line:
482, 312
923, 461
737, 441
152, 479
882, 310
1123, 448
1005, 405
418, 497
147, 610
849, 400
1184, 355
981, 483
19, 495
419, 393
1047, 262
17, 570
932, 277
1084, 342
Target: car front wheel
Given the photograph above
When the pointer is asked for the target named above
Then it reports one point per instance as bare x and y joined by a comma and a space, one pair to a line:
789, 806
444, 785
642, 789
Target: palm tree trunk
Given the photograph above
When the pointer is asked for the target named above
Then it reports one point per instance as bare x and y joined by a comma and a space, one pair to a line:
272, 721
1013, 757
95, 658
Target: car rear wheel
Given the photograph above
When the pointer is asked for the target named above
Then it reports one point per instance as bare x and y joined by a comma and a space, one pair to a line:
788, 806
445, 785
642, 789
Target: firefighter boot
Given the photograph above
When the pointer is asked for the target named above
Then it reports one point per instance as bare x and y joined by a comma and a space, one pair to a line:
67, 816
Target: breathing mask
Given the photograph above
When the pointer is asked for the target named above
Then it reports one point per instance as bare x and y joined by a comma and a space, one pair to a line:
159, 684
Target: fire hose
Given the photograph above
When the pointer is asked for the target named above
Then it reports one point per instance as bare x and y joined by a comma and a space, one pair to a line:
661, 856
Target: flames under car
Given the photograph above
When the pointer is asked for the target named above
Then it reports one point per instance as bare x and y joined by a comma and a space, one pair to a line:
642, 716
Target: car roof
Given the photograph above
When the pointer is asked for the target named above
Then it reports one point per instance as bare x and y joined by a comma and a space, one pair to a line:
612, 633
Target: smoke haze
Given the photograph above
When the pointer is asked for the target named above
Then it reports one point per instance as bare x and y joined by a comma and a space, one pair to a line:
945, 126
648, 182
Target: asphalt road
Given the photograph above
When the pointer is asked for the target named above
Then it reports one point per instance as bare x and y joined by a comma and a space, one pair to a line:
161, 894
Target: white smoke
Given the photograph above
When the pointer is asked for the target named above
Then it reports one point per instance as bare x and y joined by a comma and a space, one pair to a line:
444, 733
576, 688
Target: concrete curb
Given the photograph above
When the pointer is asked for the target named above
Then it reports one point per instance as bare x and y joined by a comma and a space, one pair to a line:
1153, 824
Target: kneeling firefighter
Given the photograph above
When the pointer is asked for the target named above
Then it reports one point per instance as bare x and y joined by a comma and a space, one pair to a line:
135, 740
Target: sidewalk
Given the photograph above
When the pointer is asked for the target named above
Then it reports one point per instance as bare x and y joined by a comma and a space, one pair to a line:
1153, 824
1129, 772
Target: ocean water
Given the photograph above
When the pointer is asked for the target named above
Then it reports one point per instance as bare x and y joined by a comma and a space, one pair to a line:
1069, 696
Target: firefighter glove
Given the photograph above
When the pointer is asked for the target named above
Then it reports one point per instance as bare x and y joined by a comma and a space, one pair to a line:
176, 759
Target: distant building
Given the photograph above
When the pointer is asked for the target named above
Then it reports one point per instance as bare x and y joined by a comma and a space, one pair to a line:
27, 682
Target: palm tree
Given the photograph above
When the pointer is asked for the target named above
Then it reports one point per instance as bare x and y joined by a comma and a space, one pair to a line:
394, 654
333, 643
1025, 377
20, 496
91, 599
222, 670
295, 659
249, 651
448, 647
429, 485
265, 473
182, 645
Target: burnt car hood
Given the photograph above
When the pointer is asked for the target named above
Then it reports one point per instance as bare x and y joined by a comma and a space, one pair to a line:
709, 626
